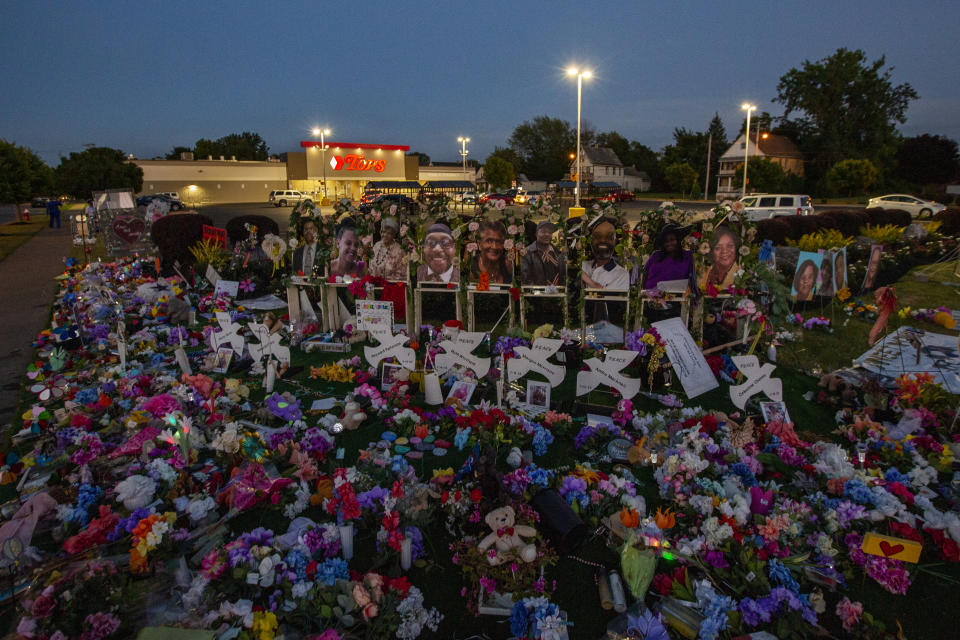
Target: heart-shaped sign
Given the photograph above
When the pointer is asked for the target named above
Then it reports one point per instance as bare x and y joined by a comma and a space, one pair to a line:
890, 549
128, 228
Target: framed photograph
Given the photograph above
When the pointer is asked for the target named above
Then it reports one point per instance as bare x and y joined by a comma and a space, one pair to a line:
774, 412
462, 391
440, 264
544, 262
486, 252
390, 375
807, 276
222, 362
840, 268
826, 285
873, 266
538, 394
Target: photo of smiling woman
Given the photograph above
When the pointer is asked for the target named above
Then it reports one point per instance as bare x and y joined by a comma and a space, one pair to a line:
491, 256
348, 245
805, 278
724, 249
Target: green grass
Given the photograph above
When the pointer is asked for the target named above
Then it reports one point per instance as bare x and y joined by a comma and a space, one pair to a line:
14, 234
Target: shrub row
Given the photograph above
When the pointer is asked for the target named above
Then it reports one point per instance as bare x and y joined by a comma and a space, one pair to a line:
846, 221
950, 219
175, 234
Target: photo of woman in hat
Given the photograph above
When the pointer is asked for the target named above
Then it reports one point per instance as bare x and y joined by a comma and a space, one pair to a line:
669, 261
543, 265
388, 257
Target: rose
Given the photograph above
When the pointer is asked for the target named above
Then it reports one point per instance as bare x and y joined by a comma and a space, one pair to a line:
370, 611
737, 206
473, 226
512, 229
500, 204
508, 244
472, 247
43, 606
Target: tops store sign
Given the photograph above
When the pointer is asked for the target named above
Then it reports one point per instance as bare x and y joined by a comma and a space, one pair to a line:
355, 161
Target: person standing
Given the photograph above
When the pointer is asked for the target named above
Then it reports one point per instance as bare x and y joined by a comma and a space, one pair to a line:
90, 214
53, 210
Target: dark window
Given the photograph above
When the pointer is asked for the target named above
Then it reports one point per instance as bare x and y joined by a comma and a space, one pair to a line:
786, 201
767, 202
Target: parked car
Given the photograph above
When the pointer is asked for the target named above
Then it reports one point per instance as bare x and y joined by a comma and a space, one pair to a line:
916, 207
369, 196
39, 202
772, 205
175, 205
466, 197
286, 197
533, 196
173, 195
383, 202
506, 197
618, 195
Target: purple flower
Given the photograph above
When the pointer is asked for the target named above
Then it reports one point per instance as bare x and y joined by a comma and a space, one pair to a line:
717, 559
760, 501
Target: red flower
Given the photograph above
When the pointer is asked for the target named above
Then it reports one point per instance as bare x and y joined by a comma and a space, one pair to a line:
311, 568
475, 495
515, 293
445, 496
391, 521
905, 531
401, 585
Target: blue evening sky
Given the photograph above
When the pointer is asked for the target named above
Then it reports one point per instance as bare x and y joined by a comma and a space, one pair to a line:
146, 76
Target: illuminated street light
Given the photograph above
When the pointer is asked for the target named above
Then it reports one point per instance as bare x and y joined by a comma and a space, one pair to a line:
749, 108
581, 74
317, 131
463, 153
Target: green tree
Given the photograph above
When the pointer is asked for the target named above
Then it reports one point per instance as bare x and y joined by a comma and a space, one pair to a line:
763, 175
423, 160
97, 169
243, 146
22, 174
508, 154
619, 145
681, 178
174, 153
648, 160
851, 177
498, 172
847, 107
927, 159
544, 146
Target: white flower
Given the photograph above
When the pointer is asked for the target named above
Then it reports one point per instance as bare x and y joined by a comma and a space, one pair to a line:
736, 206
704, 248
135, 492
199, 508
274, 247
512, 229
294, 243
508, 244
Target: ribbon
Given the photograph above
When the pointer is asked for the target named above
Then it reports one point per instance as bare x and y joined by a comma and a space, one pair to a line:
886, 298
505, 531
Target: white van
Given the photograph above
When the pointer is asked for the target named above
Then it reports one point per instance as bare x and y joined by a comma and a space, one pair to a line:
771, 205
287, 196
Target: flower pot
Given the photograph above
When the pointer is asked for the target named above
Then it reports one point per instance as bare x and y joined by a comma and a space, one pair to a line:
564, 528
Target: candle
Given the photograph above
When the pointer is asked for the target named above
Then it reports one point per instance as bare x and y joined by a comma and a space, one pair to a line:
271, 377
406, 553
616, 590
346, 540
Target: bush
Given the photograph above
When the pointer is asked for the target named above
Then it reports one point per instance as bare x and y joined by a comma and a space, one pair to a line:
822, 239
773, 229
897, 217
950, 221
882, 234
175, 234
236, 231
846, 221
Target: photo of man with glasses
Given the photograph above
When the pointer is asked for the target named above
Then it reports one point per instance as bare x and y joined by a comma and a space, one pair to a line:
439, 253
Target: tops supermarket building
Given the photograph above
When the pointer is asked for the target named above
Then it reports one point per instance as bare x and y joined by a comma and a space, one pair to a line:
347, 167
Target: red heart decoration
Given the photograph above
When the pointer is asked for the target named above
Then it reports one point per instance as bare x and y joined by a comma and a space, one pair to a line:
890, 549
128, 228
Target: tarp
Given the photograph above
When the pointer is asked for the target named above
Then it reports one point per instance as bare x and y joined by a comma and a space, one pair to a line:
897, 354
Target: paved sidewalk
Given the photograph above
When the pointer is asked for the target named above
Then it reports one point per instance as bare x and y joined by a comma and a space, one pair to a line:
27, 288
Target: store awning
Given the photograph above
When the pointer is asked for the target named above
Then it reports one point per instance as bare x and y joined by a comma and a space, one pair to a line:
566, 184
393, 184
606, 185
449, 184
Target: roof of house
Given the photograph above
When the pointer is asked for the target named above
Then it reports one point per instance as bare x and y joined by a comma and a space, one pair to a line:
773, 145
602, 155
636, 173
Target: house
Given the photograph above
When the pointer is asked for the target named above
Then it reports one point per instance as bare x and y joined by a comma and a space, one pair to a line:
779, 149
635, 180
599, 164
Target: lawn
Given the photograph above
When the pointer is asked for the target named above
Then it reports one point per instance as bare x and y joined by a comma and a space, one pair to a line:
14, 234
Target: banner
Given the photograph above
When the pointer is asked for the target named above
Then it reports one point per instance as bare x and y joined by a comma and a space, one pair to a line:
910, 350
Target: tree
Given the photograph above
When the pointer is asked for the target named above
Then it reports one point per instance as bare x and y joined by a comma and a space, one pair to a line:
927, 159
544, 146
619, 145
22, 174
423, 160
97, 169
763, 176
717, 144
498, 172
176, 151
847, 107
508, 154
648, 160
851, 177
681, 178
243, 146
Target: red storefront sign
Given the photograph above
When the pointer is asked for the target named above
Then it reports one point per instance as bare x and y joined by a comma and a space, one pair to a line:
354, 162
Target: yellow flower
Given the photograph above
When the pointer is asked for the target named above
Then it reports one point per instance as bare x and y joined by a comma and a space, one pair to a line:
843, 294
442, 473
264, 624
589, 475
543, 331
28, 461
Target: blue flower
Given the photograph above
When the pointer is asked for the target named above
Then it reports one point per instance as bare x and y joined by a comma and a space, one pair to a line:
781, 575
519, 620
331, 570
858, 492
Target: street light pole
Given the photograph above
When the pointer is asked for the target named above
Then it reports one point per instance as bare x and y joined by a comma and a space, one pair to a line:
463, 153
572, 71
746, 146
323, 151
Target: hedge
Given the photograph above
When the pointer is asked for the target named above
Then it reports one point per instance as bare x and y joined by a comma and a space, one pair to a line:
950, 221
237, 232
175, 234
847, 221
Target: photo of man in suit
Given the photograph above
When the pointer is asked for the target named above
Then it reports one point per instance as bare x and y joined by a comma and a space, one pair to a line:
305, 256
543, 264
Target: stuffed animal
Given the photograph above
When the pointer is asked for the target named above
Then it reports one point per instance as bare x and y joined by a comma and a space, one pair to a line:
836, 390
353, 415
506, 537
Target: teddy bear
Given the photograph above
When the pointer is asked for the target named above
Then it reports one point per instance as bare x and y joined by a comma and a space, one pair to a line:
353, 415
506, 536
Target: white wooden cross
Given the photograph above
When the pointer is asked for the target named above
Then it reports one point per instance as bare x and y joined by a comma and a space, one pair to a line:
269, 344
391, 346
228, 334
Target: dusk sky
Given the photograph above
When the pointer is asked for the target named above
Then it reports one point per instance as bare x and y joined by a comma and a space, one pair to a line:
147, 76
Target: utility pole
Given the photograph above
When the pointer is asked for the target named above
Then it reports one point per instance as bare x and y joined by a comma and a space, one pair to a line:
706, 184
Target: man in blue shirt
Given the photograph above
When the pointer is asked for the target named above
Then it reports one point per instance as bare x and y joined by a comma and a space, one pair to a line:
53, 210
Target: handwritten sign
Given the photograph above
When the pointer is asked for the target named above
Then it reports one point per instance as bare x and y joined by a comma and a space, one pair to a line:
534, 358
459, 352
215, 235
374, 315
608, 372
691, 367
228, 287
391, 346
889, 547
269, 344
758, 379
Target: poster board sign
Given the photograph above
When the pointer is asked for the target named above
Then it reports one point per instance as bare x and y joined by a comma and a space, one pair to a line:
212, 275
375, 315
688, 362
913, 351
228, 287
215, 235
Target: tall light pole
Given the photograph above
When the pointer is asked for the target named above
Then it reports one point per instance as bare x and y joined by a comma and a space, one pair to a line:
746, 145
581, 74
463, 153
317, 131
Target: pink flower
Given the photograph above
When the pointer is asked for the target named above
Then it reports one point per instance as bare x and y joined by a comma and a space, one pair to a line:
370, 611
849, 613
